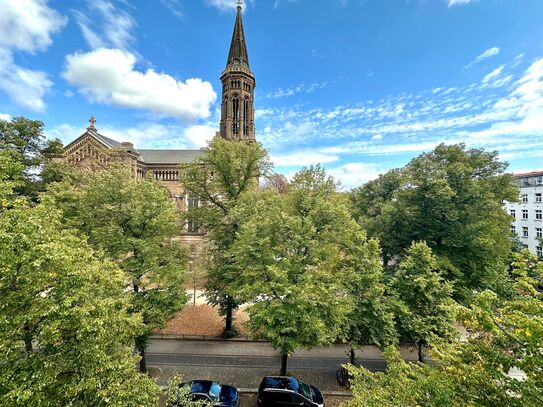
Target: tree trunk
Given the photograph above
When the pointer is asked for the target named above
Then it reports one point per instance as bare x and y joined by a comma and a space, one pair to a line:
284, 359
28, 338
143, 363
420, 345
352, 356
229, 318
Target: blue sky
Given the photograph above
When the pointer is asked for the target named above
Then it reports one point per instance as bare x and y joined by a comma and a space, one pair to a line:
361, 86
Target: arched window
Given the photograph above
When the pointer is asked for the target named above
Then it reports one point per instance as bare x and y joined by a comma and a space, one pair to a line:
235, 114
245, 115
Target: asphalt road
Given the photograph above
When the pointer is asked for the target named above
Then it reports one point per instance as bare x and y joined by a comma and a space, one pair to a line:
243, 364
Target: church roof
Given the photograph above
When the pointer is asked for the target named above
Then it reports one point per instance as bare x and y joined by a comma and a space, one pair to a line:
238, 54
169, 156
106, 140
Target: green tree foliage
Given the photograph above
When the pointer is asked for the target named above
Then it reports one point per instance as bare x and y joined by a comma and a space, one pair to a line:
451, 198
11, 178
65, 328
297, 253
226, 170
502, 334
25, 141
135, 223
425, 298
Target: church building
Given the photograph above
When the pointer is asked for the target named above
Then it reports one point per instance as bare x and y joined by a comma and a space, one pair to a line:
93, 150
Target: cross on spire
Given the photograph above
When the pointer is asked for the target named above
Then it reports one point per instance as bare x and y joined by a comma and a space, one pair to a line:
92, 120
239, 3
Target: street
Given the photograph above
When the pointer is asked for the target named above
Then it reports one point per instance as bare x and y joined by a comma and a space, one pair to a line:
244, 363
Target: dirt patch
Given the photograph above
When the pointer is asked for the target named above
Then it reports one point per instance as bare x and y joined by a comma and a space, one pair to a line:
203, 320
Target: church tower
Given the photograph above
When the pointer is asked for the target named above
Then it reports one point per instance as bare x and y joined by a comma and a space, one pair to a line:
238, 89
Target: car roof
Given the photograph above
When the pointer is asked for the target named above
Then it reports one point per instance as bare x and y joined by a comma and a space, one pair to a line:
280, 383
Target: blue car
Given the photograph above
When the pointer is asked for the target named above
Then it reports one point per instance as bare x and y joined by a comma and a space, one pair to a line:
285, 391
211, 393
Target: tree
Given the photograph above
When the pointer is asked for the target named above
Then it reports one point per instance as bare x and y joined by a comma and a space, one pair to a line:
297, 253
226, 170
502, 334
425, 298
66, 329
371, 320
25, 140
451, 198
11, 178
136, 224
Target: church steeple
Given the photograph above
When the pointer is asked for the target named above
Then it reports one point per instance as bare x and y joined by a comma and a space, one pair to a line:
238, 84
238, 48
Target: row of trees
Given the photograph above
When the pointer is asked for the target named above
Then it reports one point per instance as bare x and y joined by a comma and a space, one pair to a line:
89, 268
299, 253
400, 259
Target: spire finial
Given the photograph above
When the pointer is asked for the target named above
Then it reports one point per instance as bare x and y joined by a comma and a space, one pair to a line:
239, 4
92, 120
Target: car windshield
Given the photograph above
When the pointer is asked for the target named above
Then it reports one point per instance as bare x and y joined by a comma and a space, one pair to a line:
305, 390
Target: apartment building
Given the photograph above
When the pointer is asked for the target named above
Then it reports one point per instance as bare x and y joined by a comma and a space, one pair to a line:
528, 211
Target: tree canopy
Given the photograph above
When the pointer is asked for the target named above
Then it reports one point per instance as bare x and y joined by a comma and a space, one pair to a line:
136, 224
66, 330
451, 198
24, 140
297, 253
222, 175
504, 335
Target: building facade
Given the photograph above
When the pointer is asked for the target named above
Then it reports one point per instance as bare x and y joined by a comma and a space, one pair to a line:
94, 151
527, 213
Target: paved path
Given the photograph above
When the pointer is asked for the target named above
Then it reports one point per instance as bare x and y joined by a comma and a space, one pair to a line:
243, 364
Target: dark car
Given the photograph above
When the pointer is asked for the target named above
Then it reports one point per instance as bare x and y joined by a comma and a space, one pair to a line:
211, 393
288, 391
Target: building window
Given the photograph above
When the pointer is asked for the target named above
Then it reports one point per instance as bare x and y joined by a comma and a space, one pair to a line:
513, 213
539, 233
513, 229
524, 231
539, 251
524, 198
192, 225
525, 214
538, 214
538, 198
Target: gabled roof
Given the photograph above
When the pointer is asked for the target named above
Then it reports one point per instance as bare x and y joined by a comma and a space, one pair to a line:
106, 141
169, 156
238, 54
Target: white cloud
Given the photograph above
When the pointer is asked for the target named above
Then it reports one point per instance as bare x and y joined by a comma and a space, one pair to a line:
452, 3
145, 135
174, 6
293, 90
5, 116
26, 26
109, 76
198, 136
489, 53
25, 87
227, 4
105, 25
354, 174
493, 75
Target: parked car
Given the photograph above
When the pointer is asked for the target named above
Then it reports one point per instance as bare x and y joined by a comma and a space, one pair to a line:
288, 391
210, 393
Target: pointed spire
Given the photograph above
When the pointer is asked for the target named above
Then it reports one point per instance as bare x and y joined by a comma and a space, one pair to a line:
238, 48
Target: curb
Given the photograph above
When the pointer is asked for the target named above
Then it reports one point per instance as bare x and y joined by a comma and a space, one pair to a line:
206, 338
255, 390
